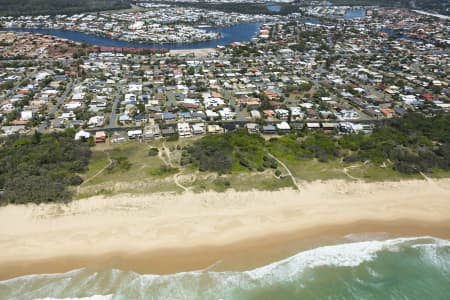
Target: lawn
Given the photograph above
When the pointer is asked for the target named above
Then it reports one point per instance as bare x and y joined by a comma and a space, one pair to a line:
146, 174
137, 154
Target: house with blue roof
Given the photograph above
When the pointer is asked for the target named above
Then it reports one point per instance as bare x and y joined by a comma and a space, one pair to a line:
184, 115
168, 116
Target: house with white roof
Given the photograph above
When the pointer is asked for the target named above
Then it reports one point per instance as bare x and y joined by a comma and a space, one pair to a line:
211, 115
184, 130
283, 127
134, 87
96, 121
82, 135
226, 114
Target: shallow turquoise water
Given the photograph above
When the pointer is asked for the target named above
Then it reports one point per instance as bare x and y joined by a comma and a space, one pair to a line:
401, 268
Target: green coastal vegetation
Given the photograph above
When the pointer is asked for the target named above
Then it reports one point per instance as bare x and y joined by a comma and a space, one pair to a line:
54, 167
234, 151
409, 145
288, 8
408, 148
41, 168
412, 144
432, 5
54, 7
244, 8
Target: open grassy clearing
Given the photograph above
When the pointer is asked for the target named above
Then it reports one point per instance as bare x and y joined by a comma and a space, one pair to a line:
147, 186
99, 160
244, 181
148, 174
439, 173
311, 170
145, 174
141, 164
372, 173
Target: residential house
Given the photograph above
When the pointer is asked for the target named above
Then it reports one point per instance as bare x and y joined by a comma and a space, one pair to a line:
152, 132
100, 137
269, 129
252, 127
214, 129
184, 130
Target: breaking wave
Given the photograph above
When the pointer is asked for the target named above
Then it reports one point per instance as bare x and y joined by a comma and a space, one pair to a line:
352, 270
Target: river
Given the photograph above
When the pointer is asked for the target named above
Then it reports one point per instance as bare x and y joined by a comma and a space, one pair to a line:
229, 34
357, 13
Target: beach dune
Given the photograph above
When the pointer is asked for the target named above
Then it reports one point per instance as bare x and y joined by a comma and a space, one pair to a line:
162, 233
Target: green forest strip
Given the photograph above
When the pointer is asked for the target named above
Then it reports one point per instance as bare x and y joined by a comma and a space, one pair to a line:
243, 8
288, 8
54, 7
41, 168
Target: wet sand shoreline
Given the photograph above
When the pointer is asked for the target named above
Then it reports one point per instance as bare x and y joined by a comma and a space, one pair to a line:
236, 256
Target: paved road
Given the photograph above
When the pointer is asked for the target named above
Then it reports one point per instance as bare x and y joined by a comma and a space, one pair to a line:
240, 116
58, 104
171, 99
113, 116
13, 90
240, 123
37, 60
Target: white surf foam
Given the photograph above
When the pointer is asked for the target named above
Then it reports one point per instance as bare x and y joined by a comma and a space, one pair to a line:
368, 236
289, 269
343, 255
41, 276
209, 284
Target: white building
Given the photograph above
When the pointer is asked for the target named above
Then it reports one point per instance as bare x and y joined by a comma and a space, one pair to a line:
26, 115
198, 128
184, 130
82, 135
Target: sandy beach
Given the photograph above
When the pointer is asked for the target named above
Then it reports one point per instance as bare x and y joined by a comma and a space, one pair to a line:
163, 233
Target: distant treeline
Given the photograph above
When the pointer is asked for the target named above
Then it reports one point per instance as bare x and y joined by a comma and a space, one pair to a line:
244, 8
288, 8
54, 7
40, 168
440, 6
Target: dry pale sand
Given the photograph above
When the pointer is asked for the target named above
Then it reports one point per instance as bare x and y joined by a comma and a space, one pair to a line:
174, 232
197, 52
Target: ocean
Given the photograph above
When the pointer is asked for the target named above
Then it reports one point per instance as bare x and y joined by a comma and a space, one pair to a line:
357, 268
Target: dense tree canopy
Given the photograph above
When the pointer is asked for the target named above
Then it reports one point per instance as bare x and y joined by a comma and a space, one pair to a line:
413, 144
233, 150
40, 168
53, 7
